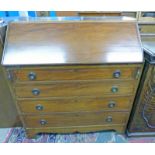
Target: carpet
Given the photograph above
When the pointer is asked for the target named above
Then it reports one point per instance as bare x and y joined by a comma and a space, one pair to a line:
17, 135
4, 133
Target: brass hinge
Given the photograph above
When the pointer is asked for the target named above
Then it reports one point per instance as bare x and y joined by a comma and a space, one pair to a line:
10, 75
138, 73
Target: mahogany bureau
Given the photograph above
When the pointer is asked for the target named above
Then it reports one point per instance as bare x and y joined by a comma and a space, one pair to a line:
73, 76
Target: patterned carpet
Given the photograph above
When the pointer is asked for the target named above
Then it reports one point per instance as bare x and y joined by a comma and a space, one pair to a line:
17, 135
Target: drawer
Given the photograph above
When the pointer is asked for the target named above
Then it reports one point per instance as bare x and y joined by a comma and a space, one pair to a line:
75, 119
64, 89
147, 29
75, 104
120, 128
76, 73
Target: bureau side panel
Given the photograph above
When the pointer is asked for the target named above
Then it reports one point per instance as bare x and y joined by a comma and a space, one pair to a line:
8, 112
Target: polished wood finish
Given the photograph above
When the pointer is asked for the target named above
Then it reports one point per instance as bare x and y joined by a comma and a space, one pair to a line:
142, 120
98, 72
147, 29
143, 117
87, 13
80, 88
80, 42
75, 119
8, 113
63, 73
85, 104
66, 13
120, 128
98, 13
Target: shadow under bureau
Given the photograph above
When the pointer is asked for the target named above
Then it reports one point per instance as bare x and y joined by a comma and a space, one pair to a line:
73, 76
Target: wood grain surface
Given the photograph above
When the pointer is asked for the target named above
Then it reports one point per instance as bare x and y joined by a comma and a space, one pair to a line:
82, 88
8, 112
120, 128
74, 64
75, 119
76, 104
91, 72
88, 13
80, 42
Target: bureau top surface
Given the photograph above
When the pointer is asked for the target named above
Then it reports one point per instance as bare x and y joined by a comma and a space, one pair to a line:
72, 42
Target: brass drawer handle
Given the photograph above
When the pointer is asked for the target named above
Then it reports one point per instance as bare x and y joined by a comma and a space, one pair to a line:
39, 107
109, 119
43, 122
35, 92
32, 76
111, 104
117, 74
114, 89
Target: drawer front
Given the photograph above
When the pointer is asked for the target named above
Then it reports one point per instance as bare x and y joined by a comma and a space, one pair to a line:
147, 29
75, 105
75, 119
76, 73
64, 89
120, 128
